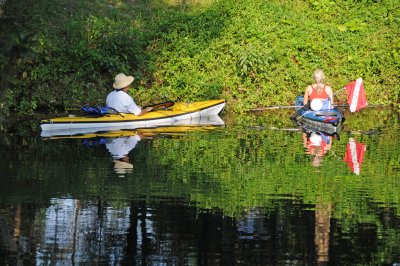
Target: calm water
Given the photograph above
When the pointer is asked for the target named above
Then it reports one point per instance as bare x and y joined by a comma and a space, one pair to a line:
255, 191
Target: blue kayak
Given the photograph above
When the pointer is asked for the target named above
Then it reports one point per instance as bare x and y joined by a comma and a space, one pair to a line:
328, 120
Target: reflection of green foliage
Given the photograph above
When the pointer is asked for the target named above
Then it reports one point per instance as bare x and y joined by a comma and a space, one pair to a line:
250, 168
228, 170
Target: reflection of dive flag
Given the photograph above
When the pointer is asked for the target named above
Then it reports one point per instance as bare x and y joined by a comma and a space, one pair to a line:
356, 95
355, 155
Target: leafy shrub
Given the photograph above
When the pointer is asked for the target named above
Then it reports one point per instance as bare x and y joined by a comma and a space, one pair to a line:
252, 53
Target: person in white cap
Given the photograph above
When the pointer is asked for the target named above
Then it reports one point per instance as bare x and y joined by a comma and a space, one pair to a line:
119, 98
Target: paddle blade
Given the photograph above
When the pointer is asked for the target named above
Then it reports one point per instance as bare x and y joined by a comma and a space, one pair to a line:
355, 155
163, 105
356, 97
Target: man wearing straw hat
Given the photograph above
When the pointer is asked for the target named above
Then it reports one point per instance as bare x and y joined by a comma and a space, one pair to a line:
119, 98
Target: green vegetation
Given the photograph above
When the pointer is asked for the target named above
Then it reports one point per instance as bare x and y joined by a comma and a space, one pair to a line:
57, 54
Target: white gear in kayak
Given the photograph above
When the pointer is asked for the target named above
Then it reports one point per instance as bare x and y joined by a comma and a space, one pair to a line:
316, 104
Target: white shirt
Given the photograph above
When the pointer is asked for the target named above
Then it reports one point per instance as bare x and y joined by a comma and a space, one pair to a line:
120, 147
122, 102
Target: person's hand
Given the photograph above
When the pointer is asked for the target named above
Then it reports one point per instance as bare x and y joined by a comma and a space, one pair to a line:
147, 109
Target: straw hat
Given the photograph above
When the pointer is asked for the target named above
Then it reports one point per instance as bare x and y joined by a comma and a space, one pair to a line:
121, 167
122, 80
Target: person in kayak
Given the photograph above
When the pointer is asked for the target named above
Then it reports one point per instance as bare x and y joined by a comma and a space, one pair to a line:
119, 98
316, 145
319, 91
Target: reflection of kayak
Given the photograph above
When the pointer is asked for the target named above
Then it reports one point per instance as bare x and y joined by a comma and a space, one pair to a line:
179, 111
328, 121
179, 126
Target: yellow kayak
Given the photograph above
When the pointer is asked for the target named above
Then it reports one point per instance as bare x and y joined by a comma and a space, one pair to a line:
170, 116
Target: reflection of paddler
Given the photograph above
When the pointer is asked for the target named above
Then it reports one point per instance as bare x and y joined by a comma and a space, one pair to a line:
119, 149
123, 166
317, 145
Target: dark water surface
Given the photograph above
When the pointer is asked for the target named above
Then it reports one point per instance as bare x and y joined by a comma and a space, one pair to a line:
252, 192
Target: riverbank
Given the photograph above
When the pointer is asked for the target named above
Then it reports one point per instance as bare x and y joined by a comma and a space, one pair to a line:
57, 56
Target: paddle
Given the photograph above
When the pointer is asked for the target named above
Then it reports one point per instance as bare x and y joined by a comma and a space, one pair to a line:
356, 98
161, 106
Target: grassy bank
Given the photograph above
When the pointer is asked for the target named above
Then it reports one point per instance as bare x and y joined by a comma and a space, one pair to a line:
60, 54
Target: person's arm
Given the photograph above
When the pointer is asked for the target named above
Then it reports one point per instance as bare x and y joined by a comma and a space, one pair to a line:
133, 108
145, 110
330, 94
306, 94
305, 140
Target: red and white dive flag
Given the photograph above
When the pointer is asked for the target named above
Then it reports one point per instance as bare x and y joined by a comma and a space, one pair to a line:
355, 155
356, 95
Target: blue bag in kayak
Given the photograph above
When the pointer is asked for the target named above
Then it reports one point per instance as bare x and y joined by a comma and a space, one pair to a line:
98, 110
